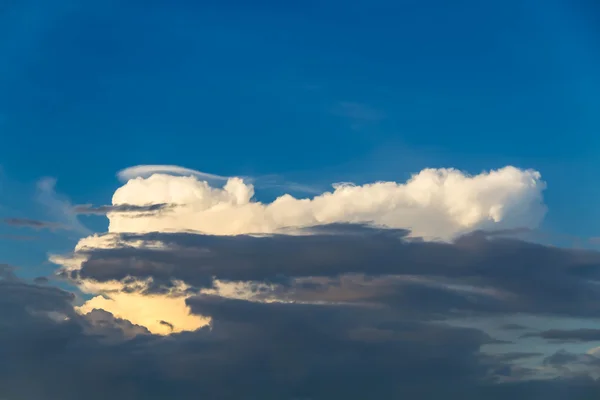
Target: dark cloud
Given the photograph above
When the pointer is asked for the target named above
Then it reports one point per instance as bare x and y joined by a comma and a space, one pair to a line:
41, 280
574, 364
135, 210
104, 324
507, 357
167, 324
251, 351
579, 335
34, 224
476, 273
359, 313
7, 272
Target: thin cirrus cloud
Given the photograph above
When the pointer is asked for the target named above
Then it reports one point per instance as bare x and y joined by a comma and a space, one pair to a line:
263, 181
144, 171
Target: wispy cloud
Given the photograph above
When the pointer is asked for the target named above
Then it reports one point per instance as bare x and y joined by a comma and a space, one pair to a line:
59, 206
88, 209
34, 224
264, 181
144, 171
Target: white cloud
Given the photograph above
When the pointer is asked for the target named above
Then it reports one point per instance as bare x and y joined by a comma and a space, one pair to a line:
145, 171
435, 203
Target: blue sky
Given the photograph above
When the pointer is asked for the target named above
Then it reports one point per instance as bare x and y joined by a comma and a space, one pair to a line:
319, 92
311, 92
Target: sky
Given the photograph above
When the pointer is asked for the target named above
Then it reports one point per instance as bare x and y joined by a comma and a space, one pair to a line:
299, 200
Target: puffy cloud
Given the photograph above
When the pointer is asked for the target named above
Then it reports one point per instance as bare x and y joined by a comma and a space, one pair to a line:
308, 303
435, 203
439, 203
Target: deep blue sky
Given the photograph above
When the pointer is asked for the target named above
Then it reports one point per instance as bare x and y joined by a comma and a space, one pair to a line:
316, 91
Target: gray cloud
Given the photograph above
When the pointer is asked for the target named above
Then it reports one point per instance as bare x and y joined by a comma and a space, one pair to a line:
88, 209
41, 280
168, 324
579, 335
476, 273
251, 351
372, 318
34, 224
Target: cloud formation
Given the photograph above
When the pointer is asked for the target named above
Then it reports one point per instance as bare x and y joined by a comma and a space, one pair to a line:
565, 335
271, 350
130, 209
433, 203
59, 206
145, 171
34, 224
319, 305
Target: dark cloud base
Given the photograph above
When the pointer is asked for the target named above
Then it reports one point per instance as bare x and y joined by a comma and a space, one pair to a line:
367, 315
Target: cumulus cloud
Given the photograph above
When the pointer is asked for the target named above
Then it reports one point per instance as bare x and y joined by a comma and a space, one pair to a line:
437, 203
344, 294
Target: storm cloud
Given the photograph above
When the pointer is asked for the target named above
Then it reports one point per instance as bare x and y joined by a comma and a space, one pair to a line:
349, 263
